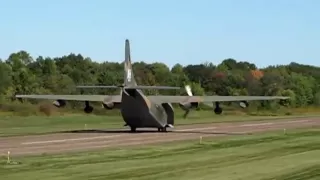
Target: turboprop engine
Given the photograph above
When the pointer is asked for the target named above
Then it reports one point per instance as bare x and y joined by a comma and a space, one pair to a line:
108, 105
217, 109
59, 103
244, 104
187, 106
87, 108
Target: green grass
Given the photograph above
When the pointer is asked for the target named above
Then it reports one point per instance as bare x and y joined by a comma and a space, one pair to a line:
15, 125
260, 157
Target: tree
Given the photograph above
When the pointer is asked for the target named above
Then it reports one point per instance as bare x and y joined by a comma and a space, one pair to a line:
20, 73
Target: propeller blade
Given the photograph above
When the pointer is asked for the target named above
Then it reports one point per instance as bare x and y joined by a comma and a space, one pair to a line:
189, 92
188, 89
186, 114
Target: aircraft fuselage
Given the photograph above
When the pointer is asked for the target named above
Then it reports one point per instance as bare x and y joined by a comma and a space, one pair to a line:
138, 111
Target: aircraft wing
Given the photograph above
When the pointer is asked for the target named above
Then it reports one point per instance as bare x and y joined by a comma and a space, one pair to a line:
178, 99
157, 99
95, 98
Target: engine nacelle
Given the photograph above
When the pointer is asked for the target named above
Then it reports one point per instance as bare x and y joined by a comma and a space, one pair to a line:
88, 109
59, 103
108, 105
243, 104
284, 102
217, 109
187, 105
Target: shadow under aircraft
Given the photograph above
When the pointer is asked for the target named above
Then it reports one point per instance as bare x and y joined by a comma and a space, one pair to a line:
144, 111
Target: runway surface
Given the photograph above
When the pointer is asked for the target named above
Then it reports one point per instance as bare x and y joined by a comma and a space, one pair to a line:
94, 139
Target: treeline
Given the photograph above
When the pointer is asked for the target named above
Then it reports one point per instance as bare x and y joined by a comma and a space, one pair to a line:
22, 74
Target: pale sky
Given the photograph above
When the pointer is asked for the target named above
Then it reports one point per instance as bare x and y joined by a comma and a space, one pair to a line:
264, 32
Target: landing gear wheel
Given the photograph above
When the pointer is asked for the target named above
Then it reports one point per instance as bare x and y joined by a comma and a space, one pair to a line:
133, 129
163, 129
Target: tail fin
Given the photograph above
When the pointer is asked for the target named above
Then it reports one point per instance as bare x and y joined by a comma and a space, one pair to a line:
129, 79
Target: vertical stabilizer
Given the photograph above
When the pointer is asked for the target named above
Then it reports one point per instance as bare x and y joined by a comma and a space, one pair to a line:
129, 79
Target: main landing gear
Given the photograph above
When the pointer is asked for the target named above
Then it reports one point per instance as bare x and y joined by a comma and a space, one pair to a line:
164, 129
133, 129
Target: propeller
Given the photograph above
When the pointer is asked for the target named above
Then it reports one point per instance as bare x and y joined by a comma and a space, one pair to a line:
188, 89
189, 92
186, 114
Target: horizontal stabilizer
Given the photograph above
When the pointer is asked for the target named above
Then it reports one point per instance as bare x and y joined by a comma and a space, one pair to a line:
97, 86
131, 87
152, 87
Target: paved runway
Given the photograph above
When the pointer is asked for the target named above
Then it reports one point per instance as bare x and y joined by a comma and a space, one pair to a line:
95, 139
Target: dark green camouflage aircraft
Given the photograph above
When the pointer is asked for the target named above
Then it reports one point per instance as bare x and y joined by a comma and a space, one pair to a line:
141, 111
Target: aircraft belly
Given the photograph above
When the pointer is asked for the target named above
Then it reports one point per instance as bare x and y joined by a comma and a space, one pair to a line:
136, 112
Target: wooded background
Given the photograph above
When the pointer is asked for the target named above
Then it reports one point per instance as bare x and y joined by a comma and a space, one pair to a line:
22, 74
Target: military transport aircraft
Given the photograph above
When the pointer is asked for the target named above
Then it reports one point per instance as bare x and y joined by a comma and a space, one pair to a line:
142, 111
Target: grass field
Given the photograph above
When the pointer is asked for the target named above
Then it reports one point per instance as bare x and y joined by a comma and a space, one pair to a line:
14, 125
275, 155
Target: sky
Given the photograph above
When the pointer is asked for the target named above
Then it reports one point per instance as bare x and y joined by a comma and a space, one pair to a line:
264, 32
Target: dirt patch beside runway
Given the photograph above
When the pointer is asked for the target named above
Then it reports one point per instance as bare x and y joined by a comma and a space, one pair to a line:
94, 139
